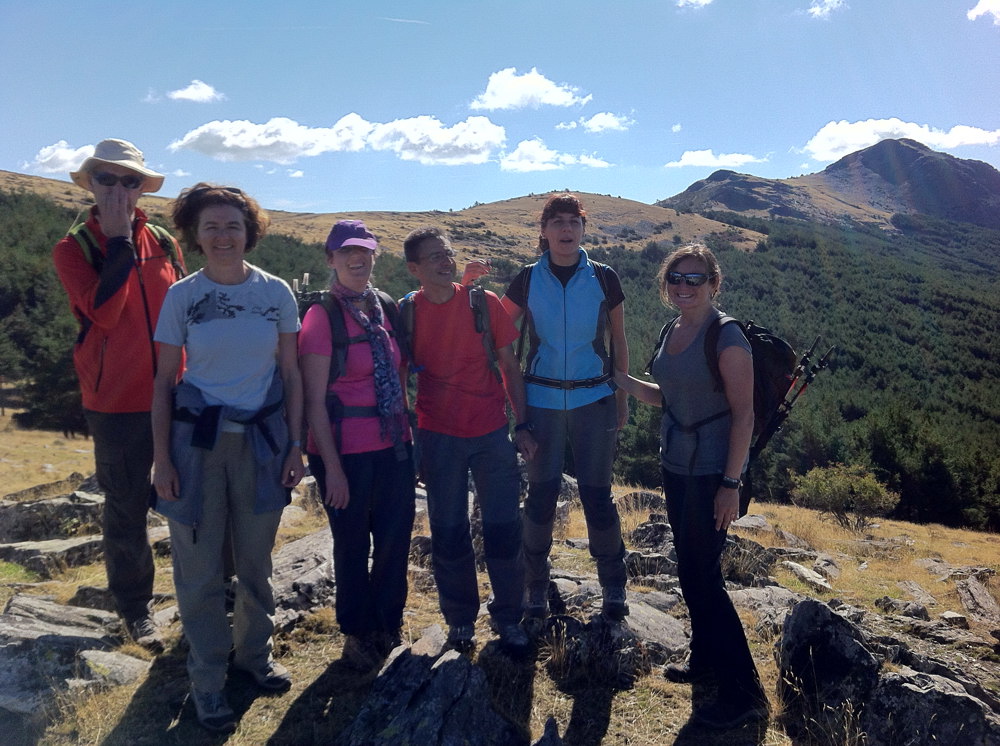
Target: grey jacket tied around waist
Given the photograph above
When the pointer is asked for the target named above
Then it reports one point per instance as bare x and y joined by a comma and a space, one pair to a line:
195, 429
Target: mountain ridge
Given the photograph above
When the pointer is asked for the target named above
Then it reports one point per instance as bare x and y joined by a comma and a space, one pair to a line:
869, 186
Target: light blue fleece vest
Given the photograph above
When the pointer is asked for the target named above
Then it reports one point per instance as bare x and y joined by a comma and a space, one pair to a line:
567, 332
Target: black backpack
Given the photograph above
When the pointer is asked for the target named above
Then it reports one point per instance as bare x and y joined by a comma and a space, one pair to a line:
341, 342
774, 372
338, 328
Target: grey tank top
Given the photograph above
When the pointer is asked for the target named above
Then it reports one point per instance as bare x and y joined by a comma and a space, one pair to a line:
690, 396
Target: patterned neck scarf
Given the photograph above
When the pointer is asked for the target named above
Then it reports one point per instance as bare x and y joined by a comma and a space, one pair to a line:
388, 390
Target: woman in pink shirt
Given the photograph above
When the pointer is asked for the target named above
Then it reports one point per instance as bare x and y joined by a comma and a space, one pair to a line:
359, 445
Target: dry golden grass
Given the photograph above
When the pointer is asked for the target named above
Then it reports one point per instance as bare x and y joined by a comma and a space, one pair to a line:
32, 457
325, 695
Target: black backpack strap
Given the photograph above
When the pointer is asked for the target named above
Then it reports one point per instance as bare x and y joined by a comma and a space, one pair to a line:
407, 313
712, 347
481, 317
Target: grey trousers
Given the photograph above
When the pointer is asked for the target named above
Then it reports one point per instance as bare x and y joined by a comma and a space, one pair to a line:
228, 489
592, 433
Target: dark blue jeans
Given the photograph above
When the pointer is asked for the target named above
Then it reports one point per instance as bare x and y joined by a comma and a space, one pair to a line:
123, 452
378, 518
445, 465
718, 642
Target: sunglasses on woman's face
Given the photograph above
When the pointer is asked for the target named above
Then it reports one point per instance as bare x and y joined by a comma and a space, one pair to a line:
129, 181
694, 279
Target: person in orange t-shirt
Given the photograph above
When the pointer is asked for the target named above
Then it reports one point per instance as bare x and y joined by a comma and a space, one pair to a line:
462, 427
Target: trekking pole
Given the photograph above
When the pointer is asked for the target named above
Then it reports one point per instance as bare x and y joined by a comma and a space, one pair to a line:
805, 373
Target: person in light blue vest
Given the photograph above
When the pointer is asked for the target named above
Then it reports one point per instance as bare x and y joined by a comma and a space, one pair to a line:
574, 323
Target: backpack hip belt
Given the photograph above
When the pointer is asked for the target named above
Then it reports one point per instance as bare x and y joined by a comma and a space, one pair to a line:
555, 383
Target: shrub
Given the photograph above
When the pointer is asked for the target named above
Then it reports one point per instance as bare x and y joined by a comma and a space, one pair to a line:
850, 493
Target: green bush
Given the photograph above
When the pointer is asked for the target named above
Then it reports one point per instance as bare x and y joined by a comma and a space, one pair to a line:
850, 493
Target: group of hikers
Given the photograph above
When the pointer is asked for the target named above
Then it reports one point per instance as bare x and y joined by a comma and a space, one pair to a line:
201, 387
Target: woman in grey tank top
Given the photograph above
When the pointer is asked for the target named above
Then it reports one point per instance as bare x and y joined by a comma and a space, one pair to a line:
705, 441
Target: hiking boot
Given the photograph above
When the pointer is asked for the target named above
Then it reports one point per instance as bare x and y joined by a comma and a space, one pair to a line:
683, 673
271, 677
613, 606
536, 602
360, 653
462, 637
213, 712
725, 713
514, 640
143, 633
387, 642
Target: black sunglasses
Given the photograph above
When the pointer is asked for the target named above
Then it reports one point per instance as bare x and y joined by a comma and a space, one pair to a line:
694, 279
129, 181
231, 190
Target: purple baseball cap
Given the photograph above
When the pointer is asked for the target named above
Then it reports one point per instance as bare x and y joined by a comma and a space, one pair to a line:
351, 233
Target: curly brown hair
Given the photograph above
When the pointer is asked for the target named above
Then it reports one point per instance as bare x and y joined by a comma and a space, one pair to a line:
190, 202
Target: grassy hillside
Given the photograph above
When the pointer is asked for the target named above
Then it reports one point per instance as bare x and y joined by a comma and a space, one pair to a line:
913, 390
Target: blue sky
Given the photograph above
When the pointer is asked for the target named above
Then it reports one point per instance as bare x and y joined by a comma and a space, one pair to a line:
339, 106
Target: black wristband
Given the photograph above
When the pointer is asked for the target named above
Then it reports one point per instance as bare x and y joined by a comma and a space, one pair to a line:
731, 484
526, 426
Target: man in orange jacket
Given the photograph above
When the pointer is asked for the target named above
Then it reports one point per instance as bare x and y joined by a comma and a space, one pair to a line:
116, 270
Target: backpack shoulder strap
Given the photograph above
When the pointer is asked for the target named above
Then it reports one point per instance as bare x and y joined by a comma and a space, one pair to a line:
712, 346
659, 343
405, 330
481, 317
166, 242
524, 316
87, 242
601, 270
338, 336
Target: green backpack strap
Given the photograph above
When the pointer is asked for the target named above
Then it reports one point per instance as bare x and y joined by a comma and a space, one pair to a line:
169, 248
87, 242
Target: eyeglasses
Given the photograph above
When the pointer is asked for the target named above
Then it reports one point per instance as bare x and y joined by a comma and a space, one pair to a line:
129, 181
437, 256
694, 279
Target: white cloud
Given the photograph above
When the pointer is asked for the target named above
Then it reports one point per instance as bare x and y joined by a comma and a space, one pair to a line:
295, 173
823, 8
693, 3
836, 139
603, 122
706, 158
986, 8
58, 158
180, 173
508, 90
675, 128
535, 155
427, 140
282, 140
201, 93
606, 121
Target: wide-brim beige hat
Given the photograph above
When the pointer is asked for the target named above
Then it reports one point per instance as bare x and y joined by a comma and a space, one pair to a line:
118, 153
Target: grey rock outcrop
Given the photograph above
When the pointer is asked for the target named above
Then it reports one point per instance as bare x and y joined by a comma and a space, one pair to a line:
431, 701
833, 688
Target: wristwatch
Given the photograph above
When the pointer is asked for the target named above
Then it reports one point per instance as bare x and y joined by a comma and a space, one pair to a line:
525, 426
731, 484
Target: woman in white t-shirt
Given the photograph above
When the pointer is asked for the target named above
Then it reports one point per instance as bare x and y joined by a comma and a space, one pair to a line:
226, 453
